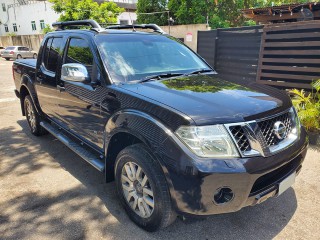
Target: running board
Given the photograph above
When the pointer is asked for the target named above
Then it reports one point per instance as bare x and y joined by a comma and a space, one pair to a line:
77, 148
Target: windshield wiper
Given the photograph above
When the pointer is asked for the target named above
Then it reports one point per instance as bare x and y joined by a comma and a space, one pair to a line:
199, 71
159, 77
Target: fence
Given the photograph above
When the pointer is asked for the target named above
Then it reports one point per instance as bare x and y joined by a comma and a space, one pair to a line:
283, 55
31, 41
290, 55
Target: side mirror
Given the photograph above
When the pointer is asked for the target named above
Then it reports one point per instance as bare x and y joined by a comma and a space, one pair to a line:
74, 72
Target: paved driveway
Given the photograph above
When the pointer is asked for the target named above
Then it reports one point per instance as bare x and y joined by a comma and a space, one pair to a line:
48, 192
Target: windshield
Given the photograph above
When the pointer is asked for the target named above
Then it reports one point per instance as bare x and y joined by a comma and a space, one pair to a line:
132, 57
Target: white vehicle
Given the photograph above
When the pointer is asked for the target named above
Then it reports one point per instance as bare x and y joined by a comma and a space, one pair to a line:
18, 52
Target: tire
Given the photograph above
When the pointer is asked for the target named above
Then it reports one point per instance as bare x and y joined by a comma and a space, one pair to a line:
19, 56
7, 59
33, 118
35, 56
138, 190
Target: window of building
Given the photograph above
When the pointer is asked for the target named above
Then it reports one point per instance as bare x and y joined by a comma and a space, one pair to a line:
52, 54
4, 8
42, 25
15, 29
124, 22
33, 25
6, 28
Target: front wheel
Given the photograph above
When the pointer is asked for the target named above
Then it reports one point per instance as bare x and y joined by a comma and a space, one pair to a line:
142, 188
33, 118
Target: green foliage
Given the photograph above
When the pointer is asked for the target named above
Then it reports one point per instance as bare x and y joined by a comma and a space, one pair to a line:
308, 107
150, 6
11, 34
70, 10
47, 29
220, 13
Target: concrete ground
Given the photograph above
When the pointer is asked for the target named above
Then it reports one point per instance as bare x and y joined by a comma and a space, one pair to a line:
48, 192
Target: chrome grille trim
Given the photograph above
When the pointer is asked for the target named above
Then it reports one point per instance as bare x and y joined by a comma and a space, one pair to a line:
257, 133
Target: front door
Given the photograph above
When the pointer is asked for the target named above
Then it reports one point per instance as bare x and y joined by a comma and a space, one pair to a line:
79, 103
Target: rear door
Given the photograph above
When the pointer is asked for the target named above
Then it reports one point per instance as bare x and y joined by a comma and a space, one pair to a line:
48, 72
27, 52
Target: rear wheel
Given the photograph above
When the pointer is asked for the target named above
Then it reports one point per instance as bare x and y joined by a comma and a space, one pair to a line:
7, 59
33, 118
19, 56
142, 188
35, 56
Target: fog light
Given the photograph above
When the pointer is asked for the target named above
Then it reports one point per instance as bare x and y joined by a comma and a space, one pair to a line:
223, 195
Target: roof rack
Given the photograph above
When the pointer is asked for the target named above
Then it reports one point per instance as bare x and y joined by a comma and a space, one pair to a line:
62, 25
154, 27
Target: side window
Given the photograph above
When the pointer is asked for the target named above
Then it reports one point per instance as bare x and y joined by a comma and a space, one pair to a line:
79, 52
46, 50
25, 49
55, 54
20, 49
51, 54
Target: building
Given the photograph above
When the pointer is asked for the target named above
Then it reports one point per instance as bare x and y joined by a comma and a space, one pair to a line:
129, 16
284, 13
23, 17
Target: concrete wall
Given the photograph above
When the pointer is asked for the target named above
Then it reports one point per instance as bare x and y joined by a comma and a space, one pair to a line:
31, 41
189, 33
180, 31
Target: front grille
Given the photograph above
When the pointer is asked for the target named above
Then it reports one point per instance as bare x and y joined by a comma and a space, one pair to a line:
266, 128
241, 139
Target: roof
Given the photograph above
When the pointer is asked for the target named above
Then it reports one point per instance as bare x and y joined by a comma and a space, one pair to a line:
283, 13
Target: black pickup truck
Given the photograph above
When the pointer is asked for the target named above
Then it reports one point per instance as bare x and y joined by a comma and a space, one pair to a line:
147, 111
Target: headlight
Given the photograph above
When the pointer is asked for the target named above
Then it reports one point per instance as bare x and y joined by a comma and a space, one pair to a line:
208, 141
295, 122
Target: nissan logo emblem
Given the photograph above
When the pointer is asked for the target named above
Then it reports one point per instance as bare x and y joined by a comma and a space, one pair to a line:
279, 129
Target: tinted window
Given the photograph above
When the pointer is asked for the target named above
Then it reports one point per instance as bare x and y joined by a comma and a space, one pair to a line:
46, 52
52, 53
25, 49
20, 48
79, 52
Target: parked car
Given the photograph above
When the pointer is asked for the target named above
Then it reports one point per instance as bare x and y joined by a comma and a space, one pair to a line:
150, 113
18, 52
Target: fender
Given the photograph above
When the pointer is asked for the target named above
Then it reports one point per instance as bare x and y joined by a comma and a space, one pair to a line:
148, 130
26, 81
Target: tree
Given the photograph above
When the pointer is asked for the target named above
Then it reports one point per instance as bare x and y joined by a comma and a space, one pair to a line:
218, 13
152, 6
47, 29
70, 10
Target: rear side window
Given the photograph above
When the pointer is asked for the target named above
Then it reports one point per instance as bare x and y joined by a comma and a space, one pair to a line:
52, 53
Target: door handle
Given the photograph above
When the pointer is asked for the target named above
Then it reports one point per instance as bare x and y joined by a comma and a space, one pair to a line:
61, 88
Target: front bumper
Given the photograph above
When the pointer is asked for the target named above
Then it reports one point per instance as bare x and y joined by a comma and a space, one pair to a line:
252, 180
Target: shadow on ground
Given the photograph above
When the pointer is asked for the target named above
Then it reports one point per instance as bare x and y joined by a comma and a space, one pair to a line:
90, 208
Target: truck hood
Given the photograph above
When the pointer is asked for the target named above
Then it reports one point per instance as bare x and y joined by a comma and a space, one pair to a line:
208, 99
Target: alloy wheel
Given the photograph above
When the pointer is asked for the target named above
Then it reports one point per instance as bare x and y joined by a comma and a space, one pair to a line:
31, 116
137, 190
